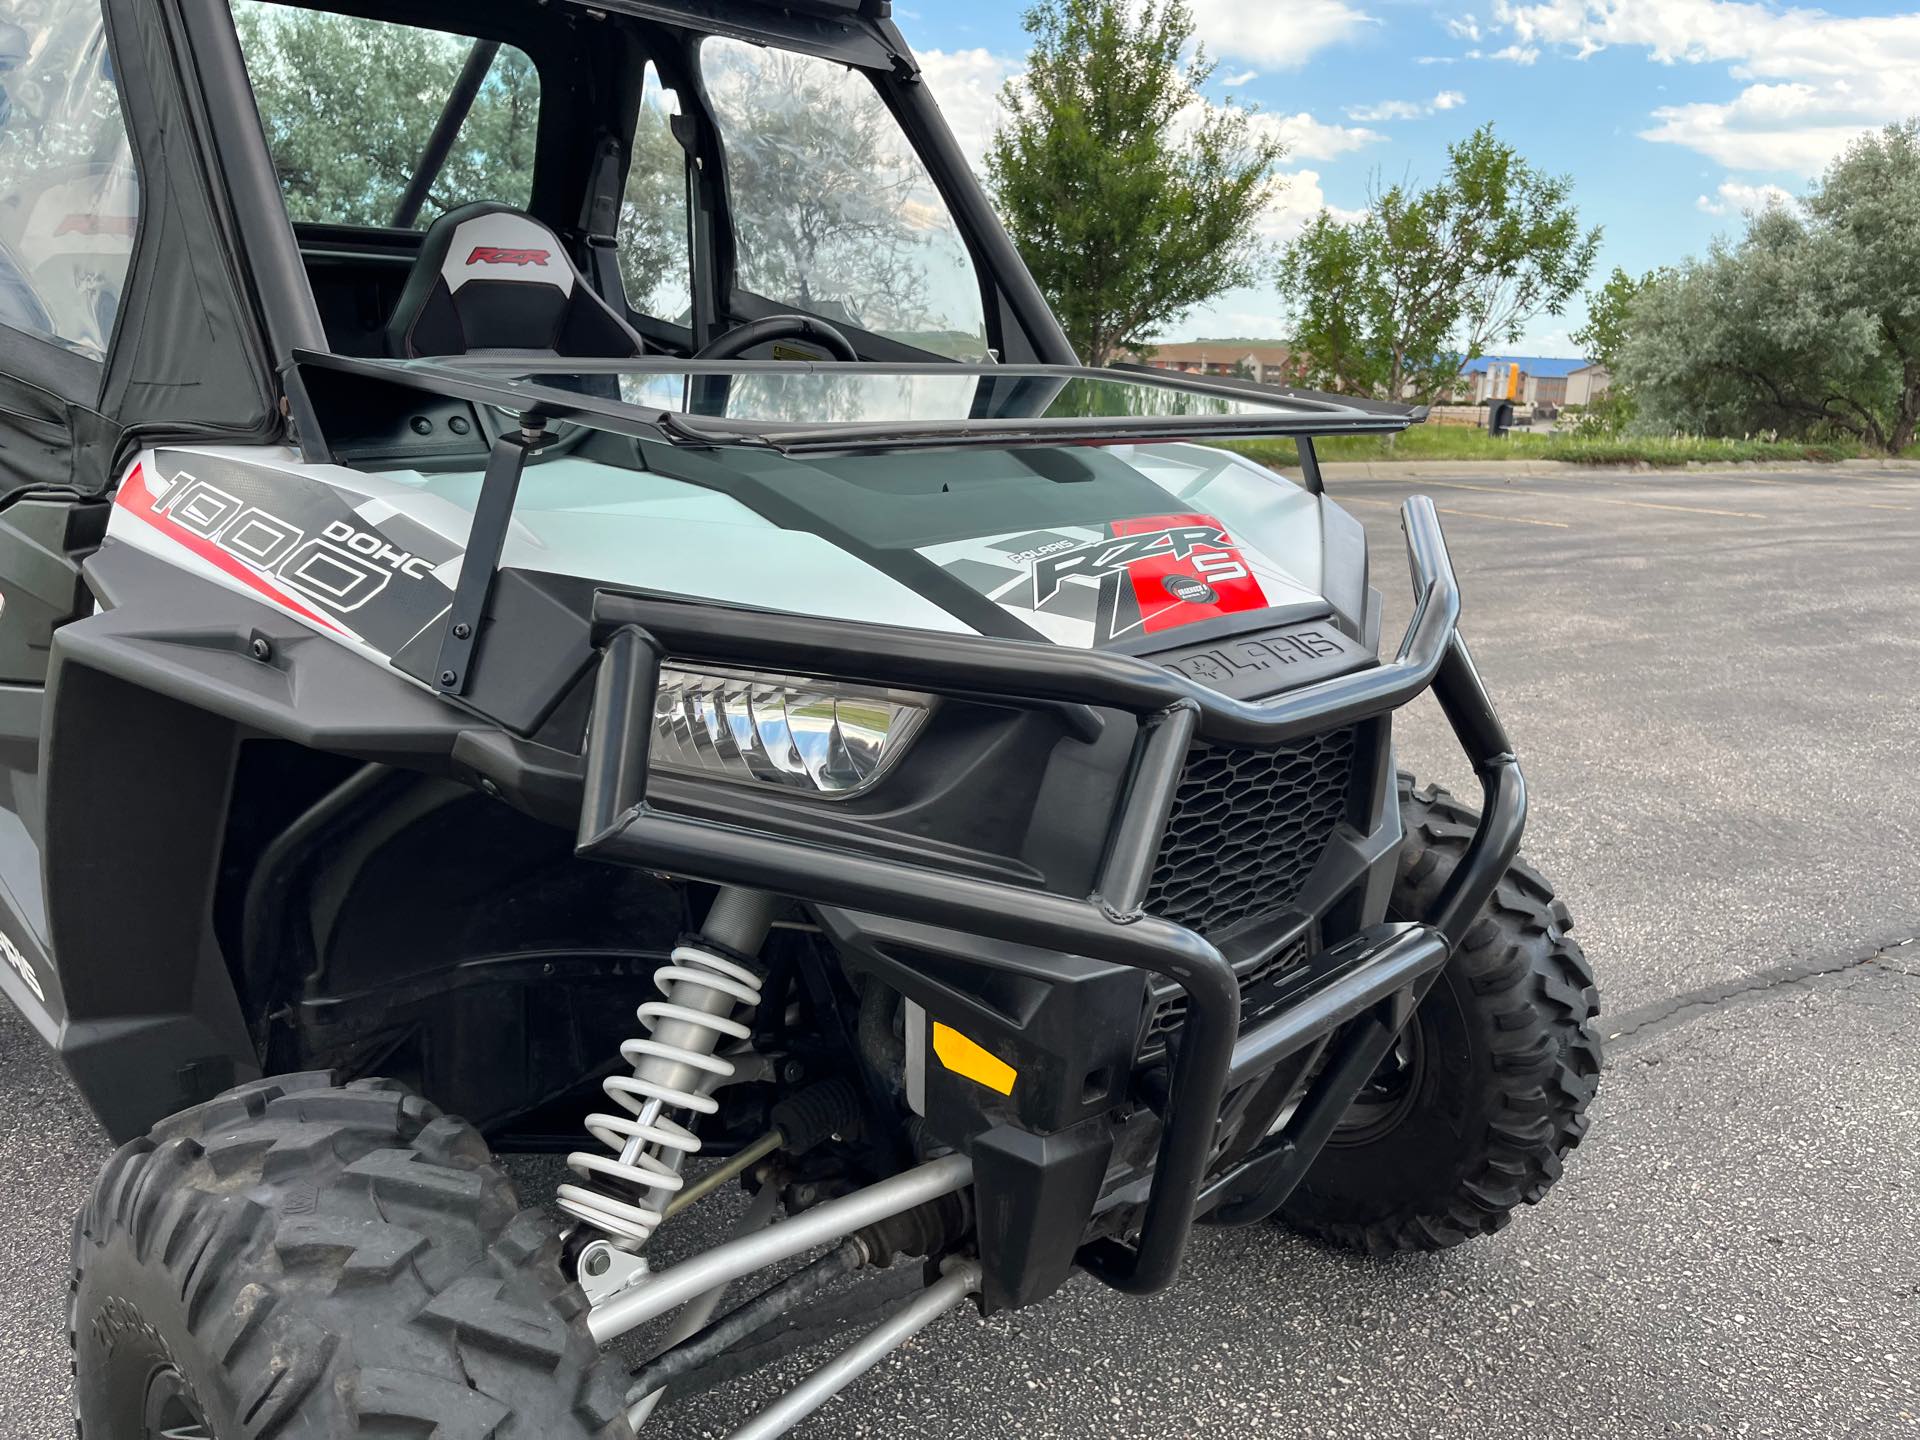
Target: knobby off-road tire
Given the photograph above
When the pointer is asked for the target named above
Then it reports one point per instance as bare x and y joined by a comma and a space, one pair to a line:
1489, 1088
295, 1261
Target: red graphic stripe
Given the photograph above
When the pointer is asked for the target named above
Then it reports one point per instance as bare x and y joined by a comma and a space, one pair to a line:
1174, 591
136, 499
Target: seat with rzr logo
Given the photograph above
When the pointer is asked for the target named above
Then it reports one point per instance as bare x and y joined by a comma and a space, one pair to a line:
492, 279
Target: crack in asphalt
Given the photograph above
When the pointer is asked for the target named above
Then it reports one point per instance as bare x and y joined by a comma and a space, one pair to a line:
840, 1312
1623, 1032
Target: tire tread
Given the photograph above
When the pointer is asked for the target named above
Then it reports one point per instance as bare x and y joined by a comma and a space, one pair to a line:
349, 1262
1534, 984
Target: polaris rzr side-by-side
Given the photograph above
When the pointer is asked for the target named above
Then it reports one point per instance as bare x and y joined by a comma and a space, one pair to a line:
558, 570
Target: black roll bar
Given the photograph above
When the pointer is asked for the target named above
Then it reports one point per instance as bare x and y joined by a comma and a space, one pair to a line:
453, 114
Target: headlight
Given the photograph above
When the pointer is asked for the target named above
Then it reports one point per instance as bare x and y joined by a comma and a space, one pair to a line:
812, 735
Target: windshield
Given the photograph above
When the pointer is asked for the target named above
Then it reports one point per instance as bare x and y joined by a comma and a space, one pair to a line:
802, 407
820, 397
833, 213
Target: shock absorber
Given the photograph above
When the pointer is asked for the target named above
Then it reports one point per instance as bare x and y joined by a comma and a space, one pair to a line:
624, 1192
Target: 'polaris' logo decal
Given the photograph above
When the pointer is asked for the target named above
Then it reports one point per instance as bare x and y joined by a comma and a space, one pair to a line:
500, 255
21, 964
1190, 589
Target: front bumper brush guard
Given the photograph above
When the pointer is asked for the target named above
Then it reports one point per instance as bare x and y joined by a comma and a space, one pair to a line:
637, 632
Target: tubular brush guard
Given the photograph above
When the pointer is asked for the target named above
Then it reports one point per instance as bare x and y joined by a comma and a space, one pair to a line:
1379, 983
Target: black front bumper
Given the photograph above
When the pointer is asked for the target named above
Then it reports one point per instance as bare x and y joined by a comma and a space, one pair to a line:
1378, 982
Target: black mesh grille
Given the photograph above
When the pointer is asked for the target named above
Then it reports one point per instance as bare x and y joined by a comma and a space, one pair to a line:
1168, 1010
1247, 828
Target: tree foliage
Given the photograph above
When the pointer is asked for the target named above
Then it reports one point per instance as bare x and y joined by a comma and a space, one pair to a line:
831, 209
1603, 340
652, 234
824, 191
1132, 198
1397, 302
1603, 337
348, 105
1867, 209
1808, 324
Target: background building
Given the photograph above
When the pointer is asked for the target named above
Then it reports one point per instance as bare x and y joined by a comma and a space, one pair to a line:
1542, 381
1262, 361
1588, 384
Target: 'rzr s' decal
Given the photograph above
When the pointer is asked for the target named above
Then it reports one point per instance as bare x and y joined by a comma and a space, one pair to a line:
1153, 574
1121, 551
500, 255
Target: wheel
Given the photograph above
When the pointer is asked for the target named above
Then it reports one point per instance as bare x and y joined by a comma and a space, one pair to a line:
1487, 1089
296, 1261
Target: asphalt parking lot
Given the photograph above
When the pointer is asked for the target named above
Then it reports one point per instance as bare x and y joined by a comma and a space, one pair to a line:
1714, 681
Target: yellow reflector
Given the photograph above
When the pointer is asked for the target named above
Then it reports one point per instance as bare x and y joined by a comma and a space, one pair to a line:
963, 1057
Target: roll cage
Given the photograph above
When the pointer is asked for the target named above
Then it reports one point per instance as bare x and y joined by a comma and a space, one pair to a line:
581, 155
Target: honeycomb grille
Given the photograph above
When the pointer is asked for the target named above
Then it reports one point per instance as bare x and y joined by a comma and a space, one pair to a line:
1169, 1004
1247, 828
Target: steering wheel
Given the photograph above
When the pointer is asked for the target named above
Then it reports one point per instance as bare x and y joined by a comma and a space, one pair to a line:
742, 338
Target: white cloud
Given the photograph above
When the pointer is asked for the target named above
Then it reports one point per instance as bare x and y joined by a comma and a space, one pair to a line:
1280, 35
1309, 139
1234, 315
1464, 27
1296, 206
1239, 78
1518, 54
1797, 127
1387, 110
1813, 80
1407, 109
1737, 198
966, 84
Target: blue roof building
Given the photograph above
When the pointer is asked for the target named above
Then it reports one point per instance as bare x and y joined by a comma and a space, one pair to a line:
1541, 366
1542, 379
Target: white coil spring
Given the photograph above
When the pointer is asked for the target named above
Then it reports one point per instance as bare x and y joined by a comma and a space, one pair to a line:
648, 1146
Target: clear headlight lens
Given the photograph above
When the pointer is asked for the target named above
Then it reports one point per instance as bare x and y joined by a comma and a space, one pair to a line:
812, 735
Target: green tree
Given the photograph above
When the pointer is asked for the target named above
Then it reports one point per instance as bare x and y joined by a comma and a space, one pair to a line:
1809, 323
653, 215
1610, 317
348, 105
1334, 275
1759, 336
1131, 197
1603, 340
824, 192
1396, 303
1868, 208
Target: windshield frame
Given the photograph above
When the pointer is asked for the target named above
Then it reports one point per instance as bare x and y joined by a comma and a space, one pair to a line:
509, 385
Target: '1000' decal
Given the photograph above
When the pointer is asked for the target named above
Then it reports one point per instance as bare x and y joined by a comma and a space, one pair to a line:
299, 543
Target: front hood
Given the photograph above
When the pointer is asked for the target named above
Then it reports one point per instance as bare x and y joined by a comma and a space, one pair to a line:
1085, 548
1219, 537
1119, 546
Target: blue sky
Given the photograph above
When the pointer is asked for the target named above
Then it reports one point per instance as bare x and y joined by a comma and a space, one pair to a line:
1673, 116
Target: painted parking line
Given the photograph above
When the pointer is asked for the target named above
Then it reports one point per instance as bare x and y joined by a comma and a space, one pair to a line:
1812, 484
1445, 510
1591, 499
